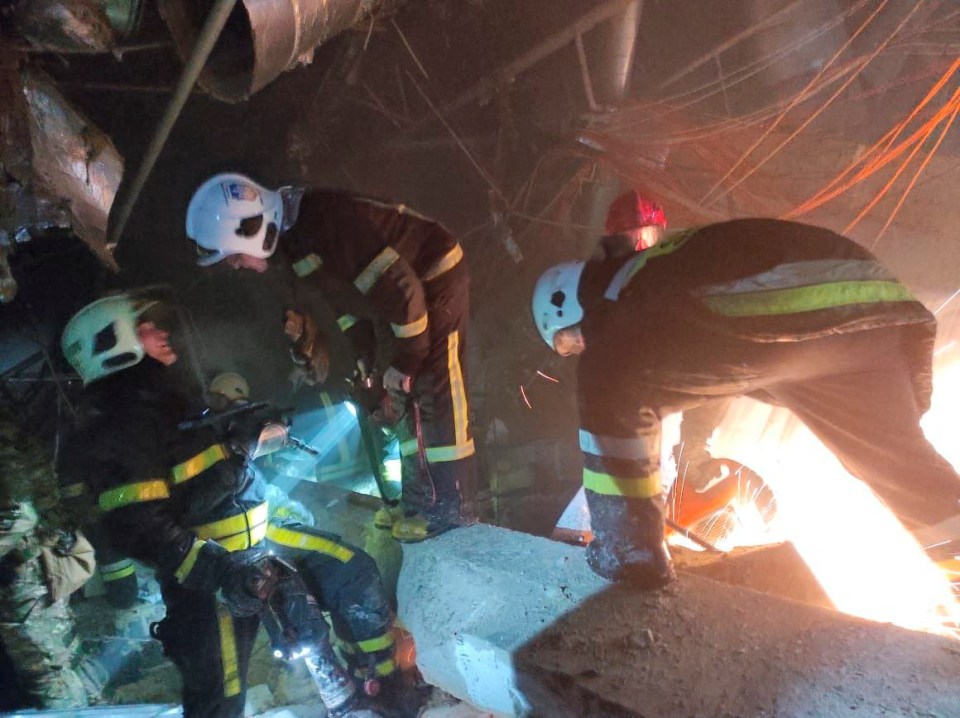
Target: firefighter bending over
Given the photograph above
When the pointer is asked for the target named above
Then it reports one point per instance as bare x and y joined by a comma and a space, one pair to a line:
792, 313
411, 272
190, 504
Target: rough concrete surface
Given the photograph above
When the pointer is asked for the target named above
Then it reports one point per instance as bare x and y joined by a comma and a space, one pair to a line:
518, 625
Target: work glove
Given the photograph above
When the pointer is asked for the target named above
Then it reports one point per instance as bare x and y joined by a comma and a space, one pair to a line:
245, 581
249, 433
309, 349
395, 380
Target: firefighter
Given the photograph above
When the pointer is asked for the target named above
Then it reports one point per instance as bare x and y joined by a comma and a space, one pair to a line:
36, 627
798, 313
634, 223
190, 504
411, 272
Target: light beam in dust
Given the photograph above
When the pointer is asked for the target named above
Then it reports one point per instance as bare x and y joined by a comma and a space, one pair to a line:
526, 401
548, 378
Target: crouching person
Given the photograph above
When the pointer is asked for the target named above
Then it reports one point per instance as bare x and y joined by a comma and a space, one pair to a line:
190, 504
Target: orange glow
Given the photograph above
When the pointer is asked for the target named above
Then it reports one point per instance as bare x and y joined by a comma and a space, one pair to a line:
865, 560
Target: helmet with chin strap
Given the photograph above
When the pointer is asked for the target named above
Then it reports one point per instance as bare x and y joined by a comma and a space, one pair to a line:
555, 303
231, 214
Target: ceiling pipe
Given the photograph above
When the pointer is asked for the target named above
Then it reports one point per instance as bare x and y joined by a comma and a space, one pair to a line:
216, 20
262, 39
610, 50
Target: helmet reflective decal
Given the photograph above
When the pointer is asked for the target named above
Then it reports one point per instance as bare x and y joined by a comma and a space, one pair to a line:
240, 191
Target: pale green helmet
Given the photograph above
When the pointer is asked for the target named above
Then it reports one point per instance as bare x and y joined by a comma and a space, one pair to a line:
101, 339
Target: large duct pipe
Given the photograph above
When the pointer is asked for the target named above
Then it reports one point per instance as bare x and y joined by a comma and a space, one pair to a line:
611, 48
262, 39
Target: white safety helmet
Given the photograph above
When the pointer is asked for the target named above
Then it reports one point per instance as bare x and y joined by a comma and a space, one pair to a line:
101, 339
555, 304
232, 214
230, 385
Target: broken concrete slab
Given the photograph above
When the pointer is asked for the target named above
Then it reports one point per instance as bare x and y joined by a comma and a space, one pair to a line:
518, 625
778, 570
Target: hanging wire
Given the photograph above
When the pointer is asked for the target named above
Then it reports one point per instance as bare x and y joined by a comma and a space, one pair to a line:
880, 158
752, 69
913, 180
796, 100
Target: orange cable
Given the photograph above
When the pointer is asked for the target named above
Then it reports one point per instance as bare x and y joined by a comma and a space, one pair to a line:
878, 163
913, 180
823, 107
890, 182
796, 100
826, 193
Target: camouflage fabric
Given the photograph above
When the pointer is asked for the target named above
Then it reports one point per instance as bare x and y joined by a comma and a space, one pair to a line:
35, 633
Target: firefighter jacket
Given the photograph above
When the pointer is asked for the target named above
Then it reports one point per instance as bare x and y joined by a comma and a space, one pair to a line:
688, 318
386, 251
171, 499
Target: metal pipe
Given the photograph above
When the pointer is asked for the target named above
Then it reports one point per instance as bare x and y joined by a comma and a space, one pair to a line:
201, 51
263, 38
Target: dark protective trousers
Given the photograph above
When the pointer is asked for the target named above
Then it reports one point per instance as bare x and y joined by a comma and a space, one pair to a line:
212, 649
441, 487
854, 391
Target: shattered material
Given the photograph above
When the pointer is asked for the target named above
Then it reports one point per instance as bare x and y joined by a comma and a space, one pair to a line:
72, 161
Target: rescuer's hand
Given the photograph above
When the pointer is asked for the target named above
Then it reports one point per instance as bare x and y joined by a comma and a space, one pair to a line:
396, 380
244, 582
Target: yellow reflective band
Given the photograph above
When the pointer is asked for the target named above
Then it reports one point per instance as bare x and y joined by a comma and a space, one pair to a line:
72, 491
236, 533
807, 299
307, 266
413, 329
373, 271
153, 490
228, 653
447, 262
346, 321
439, 454
372, 645
385, 668
186, 566
123, 569
629, 268
642, 487
308, 542
458, 394
196, 465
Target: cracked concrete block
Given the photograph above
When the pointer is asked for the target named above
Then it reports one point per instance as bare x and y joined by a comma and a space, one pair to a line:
518, 625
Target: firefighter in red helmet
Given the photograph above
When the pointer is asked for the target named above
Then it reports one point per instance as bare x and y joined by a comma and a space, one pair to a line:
634, 223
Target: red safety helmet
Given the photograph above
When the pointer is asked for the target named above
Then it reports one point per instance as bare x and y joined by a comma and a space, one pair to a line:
632, 211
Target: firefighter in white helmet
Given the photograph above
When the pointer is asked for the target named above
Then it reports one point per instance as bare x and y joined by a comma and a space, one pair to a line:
788, 312
410, 271
189, 503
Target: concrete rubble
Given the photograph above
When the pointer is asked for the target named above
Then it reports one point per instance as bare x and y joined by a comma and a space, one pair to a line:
518, 625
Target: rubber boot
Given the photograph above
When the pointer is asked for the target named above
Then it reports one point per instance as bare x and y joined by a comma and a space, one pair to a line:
628, 543
448, 506
387, 516
337, 689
